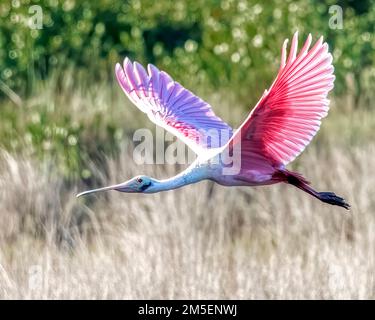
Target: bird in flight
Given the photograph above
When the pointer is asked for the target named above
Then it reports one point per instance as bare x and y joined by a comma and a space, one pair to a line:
277, 130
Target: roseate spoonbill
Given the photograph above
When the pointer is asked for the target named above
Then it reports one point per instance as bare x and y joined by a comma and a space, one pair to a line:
277, 130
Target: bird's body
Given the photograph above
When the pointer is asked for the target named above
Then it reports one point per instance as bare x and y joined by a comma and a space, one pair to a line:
281, 125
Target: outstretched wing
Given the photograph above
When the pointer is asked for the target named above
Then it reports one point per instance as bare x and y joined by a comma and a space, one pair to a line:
288, 115
171, 106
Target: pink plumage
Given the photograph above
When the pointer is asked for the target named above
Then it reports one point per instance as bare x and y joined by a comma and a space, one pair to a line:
278, 129
171, 106
288, 115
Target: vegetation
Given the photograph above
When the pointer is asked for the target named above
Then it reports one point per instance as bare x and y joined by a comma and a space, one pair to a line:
266, 242
66, 125
227, 43
222, 46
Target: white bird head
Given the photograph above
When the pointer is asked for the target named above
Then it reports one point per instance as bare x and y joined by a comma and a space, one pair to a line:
138, 184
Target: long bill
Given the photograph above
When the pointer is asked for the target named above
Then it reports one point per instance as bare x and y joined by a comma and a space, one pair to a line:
114, 187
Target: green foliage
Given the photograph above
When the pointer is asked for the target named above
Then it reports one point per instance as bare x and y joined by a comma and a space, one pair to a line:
64, 71
69, 125
233, 44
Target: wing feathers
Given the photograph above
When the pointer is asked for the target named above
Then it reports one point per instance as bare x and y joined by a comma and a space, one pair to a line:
289, 114
171, 106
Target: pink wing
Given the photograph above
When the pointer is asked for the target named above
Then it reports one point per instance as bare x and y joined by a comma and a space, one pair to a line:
288, 115
171, 106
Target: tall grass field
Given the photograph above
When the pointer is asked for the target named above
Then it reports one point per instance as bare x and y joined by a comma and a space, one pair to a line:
66, 126
202, 241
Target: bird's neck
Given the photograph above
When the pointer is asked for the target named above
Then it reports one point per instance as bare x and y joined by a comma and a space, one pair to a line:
184, 178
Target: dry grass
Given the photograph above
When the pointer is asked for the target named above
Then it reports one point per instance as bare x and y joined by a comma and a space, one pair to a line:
268, 242
201, 241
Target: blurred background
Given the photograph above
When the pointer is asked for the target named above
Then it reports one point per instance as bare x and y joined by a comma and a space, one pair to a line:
65, 126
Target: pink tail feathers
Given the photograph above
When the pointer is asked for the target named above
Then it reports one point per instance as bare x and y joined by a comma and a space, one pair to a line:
300, 182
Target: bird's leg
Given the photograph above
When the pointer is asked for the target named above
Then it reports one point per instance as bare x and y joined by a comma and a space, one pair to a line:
332, 198
300, 182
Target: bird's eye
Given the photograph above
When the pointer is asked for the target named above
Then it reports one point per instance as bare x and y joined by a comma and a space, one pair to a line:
139, 180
